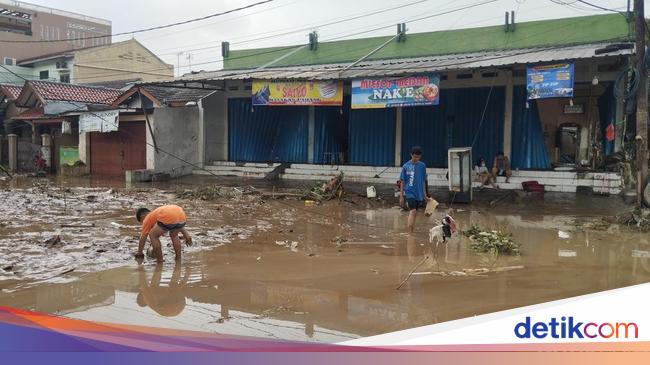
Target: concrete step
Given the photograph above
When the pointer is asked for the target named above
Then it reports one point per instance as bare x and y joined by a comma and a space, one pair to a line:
244, 164
247, 174
240, 169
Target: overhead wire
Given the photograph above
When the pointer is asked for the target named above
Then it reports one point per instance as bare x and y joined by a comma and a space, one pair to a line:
142, 30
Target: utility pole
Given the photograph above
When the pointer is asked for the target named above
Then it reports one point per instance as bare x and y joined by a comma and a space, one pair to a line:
642, 102
178, 62
189, 60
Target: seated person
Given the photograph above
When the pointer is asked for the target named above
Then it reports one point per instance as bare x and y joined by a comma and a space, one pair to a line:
501, 166
482, 173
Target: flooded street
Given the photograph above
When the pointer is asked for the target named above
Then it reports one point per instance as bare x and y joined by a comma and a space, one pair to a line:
283, 269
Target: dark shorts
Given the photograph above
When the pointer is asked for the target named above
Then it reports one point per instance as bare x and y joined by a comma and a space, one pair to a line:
414, 204
502, 173
171, 227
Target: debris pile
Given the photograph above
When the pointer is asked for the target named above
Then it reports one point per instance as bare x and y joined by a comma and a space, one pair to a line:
638, 218
203, 193
491, 241
326, 191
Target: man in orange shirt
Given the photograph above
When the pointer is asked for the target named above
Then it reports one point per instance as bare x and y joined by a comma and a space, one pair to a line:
168, 218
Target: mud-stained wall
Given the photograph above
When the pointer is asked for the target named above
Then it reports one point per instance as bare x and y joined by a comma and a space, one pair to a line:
176, 130
215, 118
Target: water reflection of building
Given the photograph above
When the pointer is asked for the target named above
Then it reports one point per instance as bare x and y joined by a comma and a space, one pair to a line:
60, 298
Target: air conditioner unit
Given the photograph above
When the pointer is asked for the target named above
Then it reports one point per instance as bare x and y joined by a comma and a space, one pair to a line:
62, 65
9, 61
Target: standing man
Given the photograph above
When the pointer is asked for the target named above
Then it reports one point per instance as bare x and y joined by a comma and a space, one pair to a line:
413, 185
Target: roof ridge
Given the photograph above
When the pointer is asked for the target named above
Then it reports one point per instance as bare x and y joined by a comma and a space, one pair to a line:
74, 85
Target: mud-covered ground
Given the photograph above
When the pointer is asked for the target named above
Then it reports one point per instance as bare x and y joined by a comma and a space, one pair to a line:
284, 269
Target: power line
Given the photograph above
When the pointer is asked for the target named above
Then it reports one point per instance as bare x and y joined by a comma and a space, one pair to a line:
600, 7
292, 30
146, 29
288, 48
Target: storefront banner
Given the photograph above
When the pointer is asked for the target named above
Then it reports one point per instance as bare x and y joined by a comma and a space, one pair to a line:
104, 121
297, 93
550, 81
394, 92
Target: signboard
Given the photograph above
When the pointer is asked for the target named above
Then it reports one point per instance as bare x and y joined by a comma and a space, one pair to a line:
394, 92
574, 109
297, 93
106, 121
550, 81
68, 156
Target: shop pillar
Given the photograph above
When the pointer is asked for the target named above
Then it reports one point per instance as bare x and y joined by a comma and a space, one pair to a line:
12, 140
507, 117
312, 132
398, 136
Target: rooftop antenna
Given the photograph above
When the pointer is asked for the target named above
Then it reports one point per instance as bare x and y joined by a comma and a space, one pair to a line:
313, 41
401, 32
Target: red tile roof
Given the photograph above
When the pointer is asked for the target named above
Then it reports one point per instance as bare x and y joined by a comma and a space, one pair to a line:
77, 93
11, 91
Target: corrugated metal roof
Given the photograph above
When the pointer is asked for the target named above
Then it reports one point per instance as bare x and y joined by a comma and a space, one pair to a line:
396, 67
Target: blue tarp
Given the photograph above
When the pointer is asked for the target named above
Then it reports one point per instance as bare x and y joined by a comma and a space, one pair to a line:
266, 134
456, 122
372, 137
528, 148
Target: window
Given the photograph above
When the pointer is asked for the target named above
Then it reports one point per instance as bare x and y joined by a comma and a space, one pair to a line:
65, 78
9, 61
44, 75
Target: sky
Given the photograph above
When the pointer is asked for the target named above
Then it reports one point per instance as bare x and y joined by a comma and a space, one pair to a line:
288, 22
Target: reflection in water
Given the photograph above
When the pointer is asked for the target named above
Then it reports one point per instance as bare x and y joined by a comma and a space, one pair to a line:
166, 299
328, 292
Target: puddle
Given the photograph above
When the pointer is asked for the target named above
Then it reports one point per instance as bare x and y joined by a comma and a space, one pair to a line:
280, 269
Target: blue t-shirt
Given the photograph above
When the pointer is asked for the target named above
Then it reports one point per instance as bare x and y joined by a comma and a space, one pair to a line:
413, 177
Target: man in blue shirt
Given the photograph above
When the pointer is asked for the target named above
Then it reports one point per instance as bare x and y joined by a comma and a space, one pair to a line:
413, 186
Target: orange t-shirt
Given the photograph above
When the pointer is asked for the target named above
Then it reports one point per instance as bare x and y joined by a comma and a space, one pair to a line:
167, 214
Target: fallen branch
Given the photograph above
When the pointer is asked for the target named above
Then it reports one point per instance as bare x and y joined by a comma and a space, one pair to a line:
412, 271
470, 272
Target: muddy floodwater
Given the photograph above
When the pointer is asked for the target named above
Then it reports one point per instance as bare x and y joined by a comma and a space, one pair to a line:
283, 269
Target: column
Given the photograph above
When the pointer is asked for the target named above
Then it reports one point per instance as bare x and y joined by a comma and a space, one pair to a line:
46, 149
84, 151
202, 135
312, 134
507, 117
398, 136
12, 140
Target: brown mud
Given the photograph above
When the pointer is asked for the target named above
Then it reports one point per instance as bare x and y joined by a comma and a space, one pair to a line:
282, 269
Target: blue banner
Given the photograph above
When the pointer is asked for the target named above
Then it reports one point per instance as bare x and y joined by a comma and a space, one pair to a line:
550, 81
394, 92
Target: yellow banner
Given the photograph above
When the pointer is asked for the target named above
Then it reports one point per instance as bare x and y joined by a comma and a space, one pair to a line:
297, 92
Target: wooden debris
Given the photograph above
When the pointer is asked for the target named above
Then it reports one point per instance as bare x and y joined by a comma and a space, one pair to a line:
471, 272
